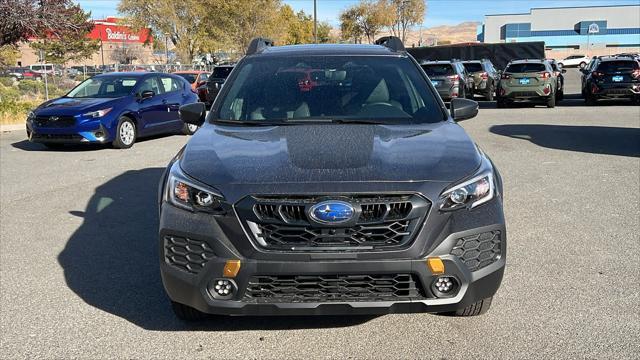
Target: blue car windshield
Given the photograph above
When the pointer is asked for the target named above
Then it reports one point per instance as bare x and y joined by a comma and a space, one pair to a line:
331, 88
104, 87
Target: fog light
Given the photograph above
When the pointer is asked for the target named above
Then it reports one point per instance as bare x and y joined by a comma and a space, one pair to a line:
444, 286
222, 288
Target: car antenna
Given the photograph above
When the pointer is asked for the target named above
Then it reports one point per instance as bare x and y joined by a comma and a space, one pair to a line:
257, 45
391, 42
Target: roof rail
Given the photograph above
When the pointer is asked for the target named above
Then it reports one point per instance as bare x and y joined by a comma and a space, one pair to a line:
258, 44
391, 42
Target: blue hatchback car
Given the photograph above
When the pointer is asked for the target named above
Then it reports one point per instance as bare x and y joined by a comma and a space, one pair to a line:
113, 108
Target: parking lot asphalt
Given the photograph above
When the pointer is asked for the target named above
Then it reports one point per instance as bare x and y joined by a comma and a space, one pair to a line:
79, 266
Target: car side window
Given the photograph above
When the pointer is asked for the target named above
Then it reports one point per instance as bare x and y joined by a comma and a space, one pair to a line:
204, 77
151, 84
170, 84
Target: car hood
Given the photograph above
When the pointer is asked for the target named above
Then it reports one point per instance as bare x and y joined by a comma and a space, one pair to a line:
329, 153
73, 106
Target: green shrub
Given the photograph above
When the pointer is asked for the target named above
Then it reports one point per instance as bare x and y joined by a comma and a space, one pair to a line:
30, 87
8, 93
6, 81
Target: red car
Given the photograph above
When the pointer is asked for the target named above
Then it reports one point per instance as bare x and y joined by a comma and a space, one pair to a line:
195, 78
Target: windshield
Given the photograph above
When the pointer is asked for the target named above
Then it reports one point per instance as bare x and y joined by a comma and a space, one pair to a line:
104, 87
221, 72
191, 78
330, 88
473, 67
438, 69
526, 68
614, 66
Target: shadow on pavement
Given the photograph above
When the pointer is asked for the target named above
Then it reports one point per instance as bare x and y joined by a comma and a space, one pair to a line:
111, 262
589, 139
26, 145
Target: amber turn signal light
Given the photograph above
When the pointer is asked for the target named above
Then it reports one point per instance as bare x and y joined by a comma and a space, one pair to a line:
231, 268
435, 265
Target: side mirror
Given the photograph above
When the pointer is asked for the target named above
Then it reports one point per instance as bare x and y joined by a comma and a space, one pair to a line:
147, 94
463, 109
193, 114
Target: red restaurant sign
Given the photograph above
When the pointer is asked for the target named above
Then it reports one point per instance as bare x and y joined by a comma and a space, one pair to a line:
108, 30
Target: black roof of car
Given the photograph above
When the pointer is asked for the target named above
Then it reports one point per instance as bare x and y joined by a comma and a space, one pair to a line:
327, 49
524, 61
617, 57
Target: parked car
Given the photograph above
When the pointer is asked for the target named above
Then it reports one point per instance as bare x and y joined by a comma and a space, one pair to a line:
357, 195
214, 83
529, 80
42, 69
485, 77
575, 60
613, 77
196, 78
450, 79
558, 72
585, 72
21, 73
113, 108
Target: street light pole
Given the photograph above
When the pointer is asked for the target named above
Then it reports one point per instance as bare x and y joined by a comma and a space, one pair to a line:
315, 22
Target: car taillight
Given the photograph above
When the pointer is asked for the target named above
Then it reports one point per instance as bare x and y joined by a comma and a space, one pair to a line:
545, 75
454, 77
597, 74
635, 74
505, 76
484, 76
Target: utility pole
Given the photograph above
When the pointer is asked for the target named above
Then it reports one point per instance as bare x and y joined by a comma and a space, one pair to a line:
46, 83
166, 47
315, 21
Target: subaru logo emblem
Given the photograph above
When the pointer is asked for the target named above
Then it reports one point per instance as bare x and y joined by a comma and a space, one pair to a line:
332, 212
54, 118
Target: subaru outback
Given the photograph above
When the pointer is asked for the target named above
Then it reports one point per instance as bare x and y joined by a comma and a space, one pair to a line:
330, 179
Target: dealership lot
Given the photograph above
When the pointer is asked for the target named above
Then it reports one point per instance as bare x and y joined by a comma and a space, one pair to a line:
79, 267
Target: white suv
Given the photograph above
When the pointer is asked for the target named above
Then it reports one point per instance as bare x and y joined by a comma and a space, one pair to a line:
575, 60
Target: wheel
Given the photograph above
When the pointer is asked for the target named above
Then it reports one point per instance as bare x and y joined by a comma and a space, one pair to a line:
186, 313
501, 104
189, 129
469, 94
636, 100
551, 101
560, 95
477, 308
489, 95
582, 65
125, 133
561, 65
590, 100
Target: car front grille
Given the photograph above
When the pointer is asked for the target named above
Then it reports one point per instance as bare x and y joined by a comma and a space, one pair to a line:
55, 121
381, 222
66, 137
327, 288
187, 254
478, 251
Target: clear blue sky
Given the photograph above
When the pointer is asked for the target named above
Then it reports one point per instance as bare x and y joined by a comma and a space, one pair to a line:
439, 12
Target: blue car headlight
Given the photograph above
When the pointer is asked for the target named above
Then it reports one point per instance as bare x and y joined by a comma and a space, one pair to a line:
97, 113
189, 194
31, 116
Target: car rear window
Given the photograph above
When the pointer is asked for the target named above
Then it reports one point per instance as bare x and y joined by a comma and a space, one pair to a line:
438, 69
473, 67
618, 65
361, 88
221, 72
525, 68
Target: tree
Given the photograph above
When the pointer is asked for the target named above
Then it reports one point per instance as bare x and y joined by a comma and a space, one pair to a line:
324, 32
366, 19
9, 55
69, 45
22, 19
400, 14
182, 23
126, 54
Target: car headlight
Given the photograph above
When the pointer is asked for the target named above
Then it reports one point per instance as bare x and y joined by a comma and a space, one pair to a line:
470, 193
97, 113
186, 193
31, 116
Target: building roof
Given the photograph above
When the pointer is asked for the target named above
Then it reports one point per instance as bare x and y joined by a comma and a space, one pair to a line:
564, 7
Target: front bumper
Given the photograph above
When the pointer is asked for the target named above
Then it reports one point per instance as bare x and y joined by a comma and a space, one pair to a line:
91, 132
192, 289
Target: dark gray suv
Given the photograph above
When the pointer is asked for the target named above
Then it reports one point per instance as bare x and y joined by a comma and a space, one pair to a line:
450, 78
330, 179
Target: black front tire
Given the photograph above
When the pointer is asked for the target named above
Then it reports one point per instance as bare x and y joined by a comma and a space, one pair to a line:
127, 125
501, 104
187, 313
590, 100
475, 309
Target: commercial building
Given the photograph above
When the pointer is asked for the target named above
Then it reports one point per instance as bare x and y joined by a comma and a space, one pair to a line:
591, 30
118, 44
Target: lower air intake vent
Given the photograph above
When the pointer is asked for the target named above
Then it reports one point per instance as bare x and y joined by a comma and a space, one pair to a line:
478, 251
187, 254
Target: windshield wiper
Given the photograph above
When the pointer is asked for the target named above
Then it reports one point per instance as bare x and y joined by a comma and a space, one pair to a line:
335, 121
249, 123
